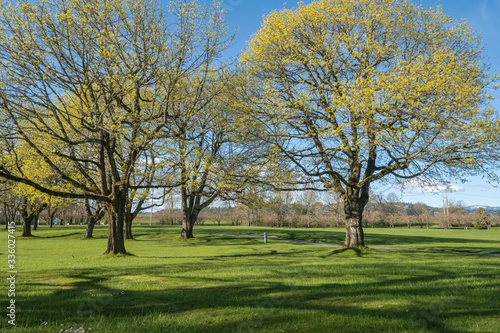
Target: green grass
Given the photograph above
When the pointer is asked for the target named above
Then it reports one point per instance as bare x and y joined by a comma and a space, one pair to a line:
221, 283
486, 241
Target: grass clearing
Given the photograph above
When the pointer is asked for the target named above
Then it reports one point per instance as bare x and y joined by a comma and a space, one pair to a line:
222, 283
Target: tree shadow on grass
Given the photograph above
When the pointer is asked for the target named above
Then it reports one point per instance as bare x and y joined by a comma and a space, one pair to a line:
58, 236
433, 243
335, 236
391, 240
261, 301
255, 255
357, 251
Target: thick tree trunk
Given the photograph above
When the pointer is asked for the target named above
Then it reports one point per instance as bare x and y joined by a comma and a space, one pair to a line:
187, 229
127, 228
116, 219
188, 221
27, 226
353, 209
354, 235
29, 215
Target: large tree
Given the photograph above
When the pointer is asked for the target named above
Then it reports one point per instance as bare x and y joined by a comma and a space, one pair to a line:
216, 157
355, 91
88, 85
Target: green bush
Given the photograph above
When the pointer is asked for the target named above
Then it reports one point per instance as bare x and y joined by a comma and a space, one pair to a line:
481, 219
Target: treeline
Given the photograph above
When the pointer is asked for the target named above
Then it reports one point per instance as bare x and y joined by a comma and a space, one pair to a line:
308, 211
73, 213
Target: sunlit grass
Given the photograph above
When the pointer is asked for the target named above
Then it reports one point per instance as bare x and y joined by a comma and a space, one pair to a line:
452, 239
221, 283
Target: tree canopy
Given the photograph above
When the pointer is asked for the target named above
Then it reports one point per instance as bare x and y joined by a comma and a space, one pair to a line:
355, 91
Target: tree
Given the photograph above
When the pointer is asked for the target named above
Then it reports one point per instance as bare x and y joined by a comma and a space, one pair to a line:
95, 212
452, 213
49, 215
417, 209
254, 198
89, 86
482, 219
20, 199
496, 219
421, 212
8, 202
146, 175
216, 156
309, 200
355, 91
23, 199
335, 208
466, 220
279, 204
391, 204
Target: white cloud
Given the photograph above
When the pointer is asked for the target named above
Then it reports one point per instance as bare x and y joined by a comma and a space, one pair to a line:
438, 189
424, 185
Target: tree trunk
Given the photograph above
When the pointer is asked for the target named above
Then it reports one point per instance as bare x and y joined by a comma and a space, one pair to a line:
27, 221
29, 214
353, 209
187, 229
116, 219
51, 214
188, 221
6, 216
90, 228
35, 224
354, 235
93, 216
127, 228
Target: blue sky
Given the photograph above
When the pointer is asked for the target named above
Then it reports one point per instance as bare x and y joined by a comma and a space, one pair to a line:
246, 16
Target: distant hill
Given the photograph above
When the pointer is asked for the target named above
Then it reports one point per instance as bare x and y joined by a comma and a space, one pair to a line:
475, 207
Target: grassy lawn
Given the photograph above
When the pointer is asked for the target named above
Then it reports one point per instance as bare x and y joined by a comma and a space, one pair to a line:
451, 239
221, 283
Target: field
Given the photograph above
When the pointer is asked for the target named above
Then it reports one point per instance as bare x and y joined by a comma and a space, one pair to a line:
223, 283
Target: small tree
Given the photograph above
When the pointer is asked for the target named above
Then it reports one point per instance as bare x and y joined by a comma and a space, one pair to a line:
95, 212
418, 211
426, 218
444, 220
481, 219
496, 219
466, 220
336, 208
279, 204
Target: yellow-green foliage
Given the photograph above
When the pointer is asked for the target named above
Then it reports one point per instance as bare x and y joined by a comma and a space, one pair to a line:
368, 77
33, 167
91, 85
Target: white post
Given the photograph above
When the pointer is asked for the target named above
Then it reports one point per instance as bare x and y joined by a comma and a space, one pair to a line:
151, 213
